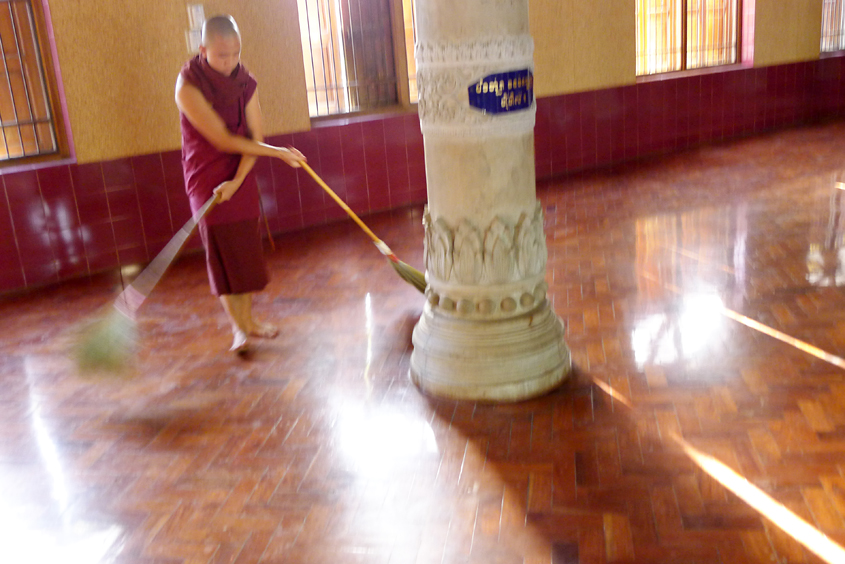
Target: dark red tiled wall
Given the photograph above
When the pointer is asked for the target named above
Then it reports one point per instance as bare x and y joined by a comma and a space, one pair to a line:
71, 220
591, 129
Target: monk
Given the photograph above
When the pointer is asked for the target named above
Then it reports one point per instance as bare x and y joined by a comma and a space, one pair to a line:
222, 136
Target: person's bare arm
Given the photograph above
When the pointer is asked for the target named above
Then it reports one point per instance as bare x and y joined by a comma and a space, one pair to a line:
202, 116
253, 121
256, 130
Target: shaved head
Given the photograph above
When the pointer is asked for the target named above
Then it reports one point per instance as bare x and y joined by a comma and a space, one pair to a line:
221, 44
219, 27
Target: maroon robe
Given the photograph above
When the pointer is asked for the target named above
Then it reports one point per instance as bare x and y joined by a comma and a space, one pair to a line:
205, 167
230, 233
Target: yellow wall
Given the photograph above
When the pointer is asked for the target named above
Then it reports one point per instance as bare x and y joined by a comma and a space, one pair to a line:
120, 59
582, 45
786, 31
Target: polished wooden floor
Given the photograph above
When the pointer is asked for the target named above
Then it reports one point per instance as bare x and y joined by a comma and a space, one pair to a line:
703, 298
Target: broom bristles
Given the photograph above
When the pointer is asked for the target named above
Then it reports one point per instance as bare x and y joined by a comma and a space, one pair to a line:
409, 274
107, 344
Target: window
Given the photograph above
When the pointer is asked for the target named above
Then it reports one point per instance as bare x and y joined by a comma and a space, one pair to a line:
674, 35
410, 41
28, 126
358, 54
833, 26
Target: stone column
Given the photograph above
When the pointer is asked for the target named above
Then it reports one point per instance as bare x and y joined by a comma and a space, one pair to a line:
487, 331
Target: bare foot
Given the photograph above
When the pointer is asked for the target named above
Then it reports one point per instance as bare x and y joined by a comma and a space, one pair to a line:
264, 331
240, 343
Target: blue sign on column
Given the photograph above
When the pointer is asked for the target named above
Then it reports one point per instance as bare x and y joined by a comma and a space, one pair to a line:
503, 92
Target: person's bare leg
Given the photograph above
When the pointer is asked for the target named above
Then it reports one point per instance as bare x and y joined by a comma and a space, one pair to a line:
256, 328
237, 309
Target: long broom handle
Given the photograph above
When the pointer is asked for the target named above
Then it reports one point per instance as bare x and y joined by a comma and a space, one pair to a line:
385, 250
134, 295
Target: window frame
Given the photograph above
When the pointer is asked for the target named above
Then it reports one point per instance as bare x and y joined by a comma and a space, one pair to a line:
739, 59
403, 102
64, 153
833, 52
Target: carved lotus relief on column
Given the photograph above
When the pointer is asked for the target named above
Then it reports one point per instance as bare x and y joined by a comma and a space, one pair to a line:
467, 258
531, 243
501, 253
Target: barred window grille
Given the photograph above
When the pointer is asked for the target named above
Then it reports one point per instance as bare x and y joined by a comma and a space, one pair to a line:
833, 26
347, 47
28, 126
674, 35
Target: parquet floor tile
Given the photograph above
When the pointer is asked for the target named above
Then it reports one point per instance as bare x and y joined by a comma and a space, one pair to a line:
702, 296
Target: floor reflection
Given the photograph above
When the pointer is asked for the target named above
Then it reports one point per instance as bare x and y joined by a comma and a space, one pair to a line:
379, 442
43, 527
667, 338
826, 253
699, 254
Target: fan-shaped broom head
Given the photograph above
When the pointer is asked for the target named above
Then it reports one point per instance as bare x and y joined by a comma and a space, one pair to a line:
409, 274
107, 344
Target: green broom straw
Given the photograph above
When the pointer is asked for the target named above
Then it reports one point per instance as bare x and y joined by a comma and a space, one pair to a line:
408, 273
107, 343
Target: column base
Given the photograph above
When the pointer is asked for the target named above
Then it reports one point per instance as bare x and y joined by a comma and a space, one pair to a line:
504, 360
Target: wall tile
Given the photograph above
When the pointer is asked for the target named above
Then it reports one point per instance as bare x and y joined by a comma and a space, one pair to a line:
414, 137
61, 212
155, 246
288, 223
87, 178
124, 203
306, 142
572, 131
9, 256
311, 196
180, 209
419, 196
128, 232
589, 132
329, 145
174, 180
394, 134
155, 212
98, 239
378, 183
55, 182
286, 188
336, 213
400, 198
148, 170
355, 168
118, 173
70, 253
313, 218
103, 262
132, 255
39, 273
31, 233
397, 177
22, 188
11, 277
